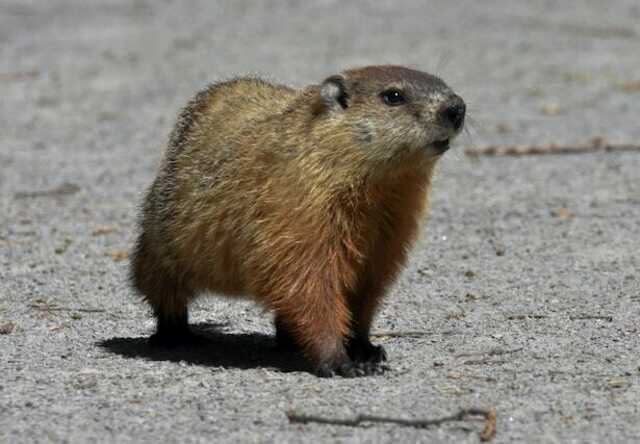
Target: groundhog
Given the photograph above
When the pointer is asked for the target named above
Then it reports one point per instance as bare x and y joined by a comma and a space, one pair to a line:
305, 200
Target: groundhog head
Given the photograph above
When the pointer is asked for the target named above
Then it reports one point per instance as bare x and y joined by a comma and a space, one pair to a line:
394, 112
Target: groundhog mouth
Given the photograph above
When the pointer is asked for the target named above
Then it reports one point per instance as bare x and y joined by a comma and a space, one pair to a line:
440, 146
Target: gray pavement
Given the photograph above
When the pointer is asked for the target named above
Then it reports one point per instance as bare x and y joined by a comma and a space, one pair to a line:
524, 289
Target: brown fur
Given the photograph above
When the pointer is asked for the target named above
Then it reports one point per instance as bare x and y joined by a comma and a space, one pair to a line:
290, 198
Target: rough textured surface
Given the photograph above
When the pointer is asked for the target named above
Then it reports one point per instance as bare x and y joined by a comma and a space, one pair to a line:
89, 93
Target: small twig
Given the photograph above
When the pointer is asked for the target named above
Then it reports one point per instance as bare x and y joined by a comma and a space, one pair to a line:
589, 317
101, 231
10, 243
483, 361
492, 352
400, 333
486, 356
519, 317
118, 255
595, 145
470, 376
61, 190
410, 333
43, 307
19, 75
487, 433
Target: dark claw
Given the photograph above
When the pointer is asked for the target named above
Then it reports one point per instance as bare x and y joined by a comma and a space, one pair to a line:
346, 369
351, 369
372, 368
325, 371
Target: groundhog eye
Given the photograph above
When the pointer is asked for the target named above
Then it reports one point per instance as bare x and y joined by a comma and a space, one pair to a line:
393, 97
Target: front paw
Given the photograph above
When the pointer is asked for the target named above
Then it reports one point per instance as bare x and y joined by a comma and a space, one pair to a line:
349, 368
346, 369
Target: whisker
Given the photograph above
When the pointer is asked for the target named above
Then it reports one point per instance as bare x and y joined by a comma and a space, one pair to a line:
443, 61
469, 137
475, 124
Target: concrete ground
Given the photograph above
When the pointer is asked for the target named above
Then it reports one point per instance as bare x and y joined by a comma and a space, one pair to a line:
524, 294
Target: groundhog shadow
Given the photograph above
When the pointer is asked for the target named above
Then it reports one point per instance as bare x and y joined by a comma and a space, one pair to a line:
218, 349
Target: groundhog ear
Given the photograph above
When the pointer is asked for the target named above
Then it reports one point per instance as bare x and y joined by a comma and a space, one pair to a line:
334, 93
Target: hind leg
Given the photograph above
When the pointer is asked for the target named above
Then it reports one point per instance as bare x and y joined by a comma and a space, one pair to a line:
167, 297
172, 328
170, 307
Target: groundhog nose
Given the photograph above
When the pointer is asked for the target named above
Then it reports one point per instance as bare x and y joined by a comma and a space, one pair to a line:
452, 113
